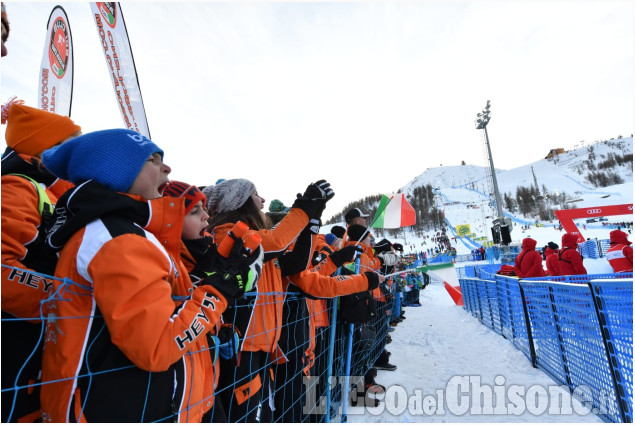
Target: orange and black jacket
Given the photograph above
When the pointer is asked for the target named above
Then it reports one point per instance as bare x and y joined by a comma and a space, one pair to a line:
259, 317
23, 292
298, 334
126, 342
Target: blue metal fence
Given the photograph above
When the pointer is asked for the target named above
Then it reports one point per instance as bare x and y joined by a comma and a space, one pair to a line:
303, 376
580, 331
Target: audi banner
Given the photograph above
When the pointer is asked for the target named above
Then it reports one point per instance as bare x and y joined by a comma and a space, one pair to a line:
566, 217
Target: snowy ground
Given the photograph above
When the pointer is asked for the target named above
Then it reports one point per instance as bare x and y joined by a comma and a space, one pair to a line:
436, 348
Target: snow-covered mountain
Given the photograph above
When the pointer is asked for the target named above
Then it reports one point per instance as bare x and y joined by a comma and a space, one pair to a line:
566, 173
463, 195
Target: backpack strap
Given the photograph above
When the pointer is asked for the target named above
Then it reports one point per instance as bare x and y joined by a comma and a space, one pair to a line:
44, 202
560, 255
521, 258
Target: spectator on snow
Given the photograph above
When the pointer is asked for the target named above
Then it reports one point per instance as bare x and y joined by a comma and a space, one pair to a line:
259, 318
550, 254
528, 262
569, 259
620, 254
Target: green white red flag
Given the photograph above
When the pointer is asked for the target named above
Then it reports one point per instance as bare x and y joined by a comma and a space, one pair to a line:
394, 212
446, 273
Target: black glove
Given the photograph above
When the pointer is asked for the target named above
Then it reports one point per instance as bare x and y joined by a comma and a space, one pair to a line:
373, 280
314, 199
204, 252
234, 275
345, 254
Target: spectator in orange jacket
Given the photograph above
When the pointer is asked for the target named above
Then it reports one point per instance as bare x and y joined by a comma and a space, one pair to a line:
125, 339
528, 262
259, 317
550, 254
28, 196
620, 254
569, 259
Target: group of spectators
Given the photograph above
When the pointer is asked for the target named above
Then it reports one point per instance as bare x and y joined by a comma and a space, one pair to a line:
127, 297
567, 260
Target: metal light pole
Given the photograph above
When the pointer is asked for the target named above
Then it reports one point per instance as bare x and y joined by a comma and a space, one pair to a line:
482, 119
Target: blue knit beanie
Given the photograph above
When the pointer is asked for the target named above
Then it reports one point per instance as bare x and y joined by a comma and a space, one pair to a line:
330, 238
113, 158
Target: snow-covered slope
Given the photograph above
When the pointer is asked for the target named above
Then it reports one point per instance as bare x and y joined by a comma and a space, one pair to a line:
567, 174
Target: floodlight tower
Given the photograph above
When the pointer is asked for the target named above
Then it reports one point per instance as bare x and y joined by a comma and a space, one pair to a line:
501, 227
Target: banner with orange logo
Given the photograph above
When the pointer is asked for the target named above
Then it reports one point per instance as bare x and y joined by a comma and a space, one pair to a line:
121, 67
55, 85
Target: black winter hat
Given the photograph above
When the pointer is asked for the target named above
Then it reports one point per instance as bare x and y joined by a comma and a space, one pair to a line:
398, 247
553, 245
357, 232
338, 231
383, 245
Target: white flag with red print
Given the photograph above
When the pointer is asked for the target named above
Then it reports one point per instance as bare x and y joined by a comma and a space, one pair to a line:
55, 82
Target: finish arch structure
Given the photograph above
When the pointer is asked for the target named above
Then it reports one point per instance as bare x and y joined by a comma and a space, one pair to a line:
566, 217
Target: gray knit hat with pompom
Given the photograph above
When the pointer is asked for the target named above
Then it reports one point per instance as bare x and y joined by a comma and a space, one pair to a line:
228, 195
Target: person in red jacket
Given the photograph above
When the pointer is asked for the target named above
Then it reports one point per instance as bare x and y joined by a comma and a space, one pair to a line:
28, 196
569, 259
125, 337
620, 254
550, 254
528, 262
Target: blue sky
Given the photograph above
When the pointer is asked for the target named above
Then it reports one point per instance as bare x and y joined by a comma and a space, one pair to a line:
365, 94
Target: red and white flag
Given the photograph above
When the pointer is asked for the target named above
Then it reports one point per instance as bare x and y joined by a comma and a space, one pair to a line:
55, 85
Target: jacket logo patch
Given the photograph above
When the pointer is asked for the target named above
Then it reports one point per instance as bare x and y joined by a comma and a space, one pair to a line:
198, 324
31, 280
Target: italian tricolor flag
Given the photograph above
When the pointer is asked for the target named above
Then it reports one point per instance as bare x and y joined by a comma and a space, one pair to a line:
446, 273
393, 213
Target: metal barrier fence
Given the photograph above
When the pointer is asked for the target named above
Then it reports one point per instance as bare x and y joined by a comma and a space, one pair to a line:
577, 329
293, 387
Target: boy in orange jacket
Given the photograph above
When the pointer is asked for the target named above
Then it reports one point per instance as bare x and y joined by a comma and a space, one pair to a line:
125, 339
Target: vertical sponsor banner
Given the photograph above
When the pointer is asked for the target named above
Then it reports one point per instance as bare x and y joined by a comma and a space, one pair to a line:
120, 62
55, 86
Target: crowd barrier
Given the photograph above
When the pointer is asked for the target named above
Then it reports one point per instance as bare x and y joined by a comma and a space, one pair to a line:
296, 387
577, 329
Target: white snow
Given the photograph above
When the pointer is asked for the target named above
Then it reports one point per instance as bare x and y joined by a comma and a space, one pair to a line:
439, 341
